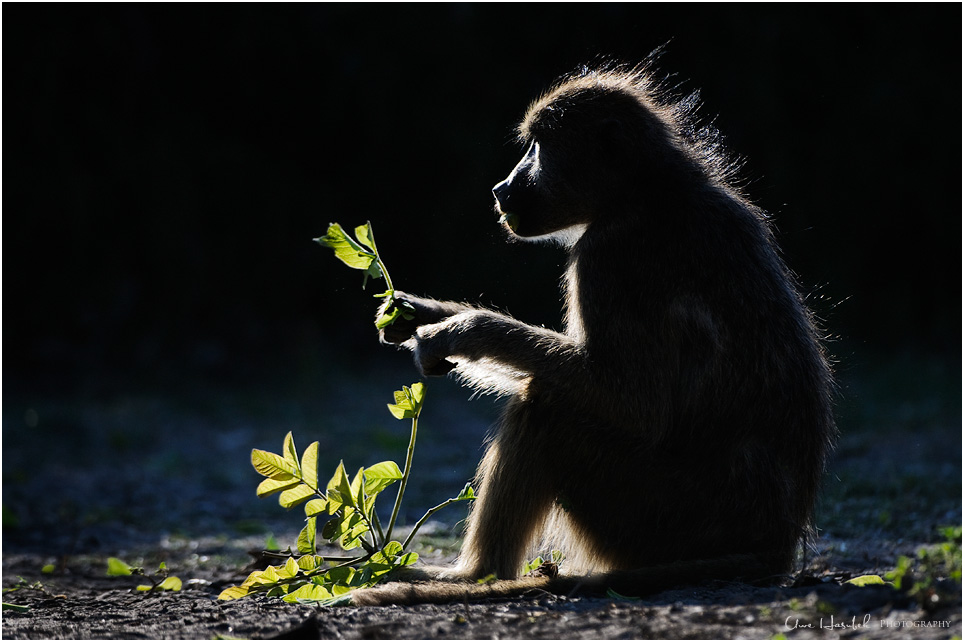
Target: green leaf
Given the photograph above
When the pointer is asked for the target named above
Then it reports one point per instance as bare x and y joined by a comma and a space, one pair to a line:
268, 486
353, 529
144, 588
280, 590
306, 539
364, 234
408, 310
341, 590
333, 489
531, 565
269, 576
417, 392
310, 465
254, 580
295, 496
345, 576
117, 567
290, 569
350, 531
330, 530
289, 451
385, 560
358, 489
345, 490
308, 592
310, 563
620, 597
866, 580
170, 584
407, 558
381, 475
272, 465
345, 600
316, 506
387, 318
467, 493
346, 249
48, 569
350, 252
391, 549
408, 401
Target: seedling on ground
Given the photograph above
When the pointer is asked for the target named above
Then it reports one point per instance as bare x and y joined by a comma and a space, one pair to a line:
160, 581
922, 577
352, 524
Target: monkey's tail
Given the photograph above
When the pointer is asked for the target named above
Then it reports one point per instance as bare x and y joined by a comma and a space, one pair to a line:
637, 582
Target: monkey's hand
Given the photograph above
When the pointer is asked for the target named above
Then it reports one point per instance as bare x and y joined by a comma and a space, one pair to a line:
431, 346
422, 312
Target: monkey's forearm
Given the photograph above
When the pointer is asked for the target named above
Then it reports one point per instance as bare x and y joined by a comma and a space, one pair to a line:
431, 311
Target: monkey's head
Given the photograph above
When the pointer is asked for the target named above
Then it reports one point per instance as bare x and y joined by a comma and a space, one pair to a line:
598, 144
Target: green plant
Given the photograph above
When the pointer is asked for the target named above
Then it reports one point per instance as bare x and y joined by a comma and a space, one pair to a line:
22, 584
160, 581
920, 576
353, 523
556, 558
361, 253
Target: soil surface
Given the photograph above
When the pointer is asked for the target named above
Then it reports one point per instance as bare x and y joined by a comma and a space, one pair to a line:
83, 603
151, 479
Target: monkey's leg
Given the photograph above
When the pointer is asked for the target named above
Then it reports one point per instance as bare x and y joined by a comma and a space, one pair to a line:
515, 495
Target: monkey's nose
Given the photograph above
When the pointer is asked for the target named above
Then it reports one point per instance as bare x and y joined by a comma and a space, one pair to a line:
501, 192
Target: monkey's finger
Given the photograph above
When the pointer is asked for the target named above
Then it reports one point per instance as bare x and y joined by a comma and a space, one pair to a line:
438, 369
396, 333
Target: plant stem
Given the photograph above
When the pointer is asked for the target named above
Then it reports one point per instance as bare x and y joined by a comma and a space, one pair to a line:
424, 518
385, 273
378, 259
378, 526
405, 478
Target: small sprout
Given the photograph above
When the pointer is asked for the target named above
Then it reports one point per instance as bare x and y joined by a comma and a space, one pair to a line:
353, 523
867, 580
408, 402
117, 567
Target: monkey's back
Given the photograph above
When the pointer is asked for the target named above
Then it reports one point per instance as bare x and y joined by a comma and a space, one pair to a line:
714, 390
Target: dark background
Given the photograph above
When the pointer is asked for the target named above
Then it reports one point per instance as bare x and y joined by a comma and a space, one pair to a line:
167, 167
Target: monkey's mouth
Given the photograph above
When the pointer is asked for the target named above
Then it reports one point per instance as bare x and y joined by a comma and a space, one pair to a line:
509, 220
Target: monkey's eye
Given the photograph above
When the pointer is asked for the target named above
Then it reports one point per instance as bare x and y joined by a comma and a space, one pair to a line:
533, 160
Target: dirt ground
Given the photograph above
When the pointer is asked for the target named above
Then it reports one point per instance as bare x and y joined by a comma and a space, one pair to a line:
118, 481
81, 602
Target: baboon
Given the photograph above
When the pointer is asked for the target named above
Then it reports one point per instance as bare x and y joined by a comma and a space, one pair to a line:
677, 428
